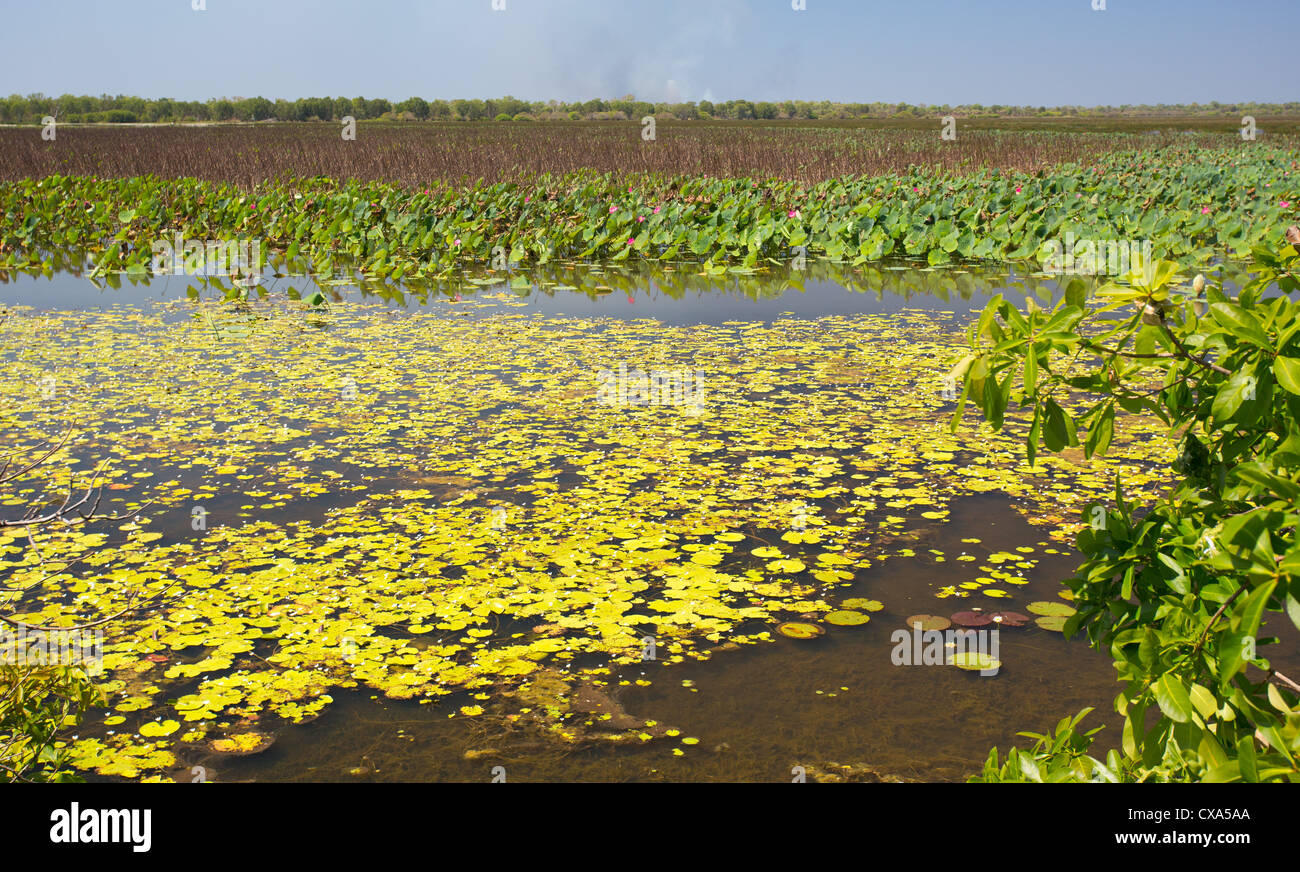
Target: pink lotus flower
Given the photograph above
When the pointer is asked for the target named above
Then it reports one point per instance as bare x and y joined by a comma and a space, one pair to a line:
916, 190
1285, 204
656, 210
1017, 189
631, 241
526, 199
640, 218
613, 209
457, 242
1205, 210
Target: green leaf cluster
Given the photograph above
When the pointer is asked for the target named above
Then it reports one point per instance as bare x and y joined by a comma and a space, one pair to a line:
1179, 591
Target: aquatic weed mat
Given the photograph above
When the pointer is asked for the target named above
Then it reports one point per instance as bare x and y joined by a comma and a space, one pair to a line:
455, 504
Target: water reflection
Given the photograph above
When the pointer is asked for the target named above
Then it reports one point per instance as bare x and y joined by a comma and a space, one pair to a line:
679, 292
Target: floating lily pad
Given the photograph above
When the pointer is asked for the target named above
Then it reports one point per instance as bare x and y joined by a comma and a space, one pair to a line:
974, 661
863, 604
1055, 623
1010, 619
163, 728
972, 619
800, 630
242, 744
1051, 609
928, 622
846, 618
451, 511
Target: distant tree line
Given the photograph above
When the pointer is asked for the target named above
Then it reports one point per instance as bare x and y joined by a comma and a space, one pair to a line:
32, 108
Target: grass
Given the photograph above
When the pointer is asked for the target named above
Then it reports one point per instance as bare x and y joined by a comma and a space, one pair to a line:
422, 154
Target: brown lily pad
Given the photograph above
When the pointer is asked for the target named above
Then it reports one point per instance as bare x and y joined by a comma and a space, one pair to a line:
928, 622
1010, 619
972, 619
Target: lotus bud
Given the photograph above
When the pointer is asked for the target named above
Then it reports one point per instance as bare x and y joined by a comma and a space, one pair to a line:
1198, 283
1200, 307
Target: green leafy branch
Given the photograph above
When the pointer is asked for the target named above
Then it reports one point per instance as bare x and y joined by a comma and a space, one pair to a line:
1177, 591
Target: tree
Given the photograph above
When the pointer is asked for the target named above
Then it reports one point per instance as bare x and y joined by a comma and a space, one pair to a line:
470, 110
1175, 591
221, 110
255, 109
743, 109
320, 108
417, 106
684, 111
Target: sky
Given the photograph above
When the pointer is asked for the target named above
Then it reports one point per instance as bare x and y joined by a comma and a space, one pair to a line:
1014, 52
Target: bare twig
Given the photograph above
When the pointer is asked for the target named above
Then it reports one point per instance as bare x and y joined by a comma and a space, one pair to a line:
6, 475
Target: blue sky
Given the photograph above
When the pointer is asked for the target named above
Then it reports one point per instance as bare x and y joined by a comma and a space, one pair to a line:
1034, 52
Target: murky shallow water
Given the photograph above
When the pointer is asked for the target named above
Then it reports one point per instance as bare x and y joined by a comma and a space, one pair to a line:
758, 710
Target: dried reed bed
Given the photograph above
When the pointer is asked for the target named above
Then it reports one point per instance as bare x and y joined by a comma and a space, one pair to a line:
425, 154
